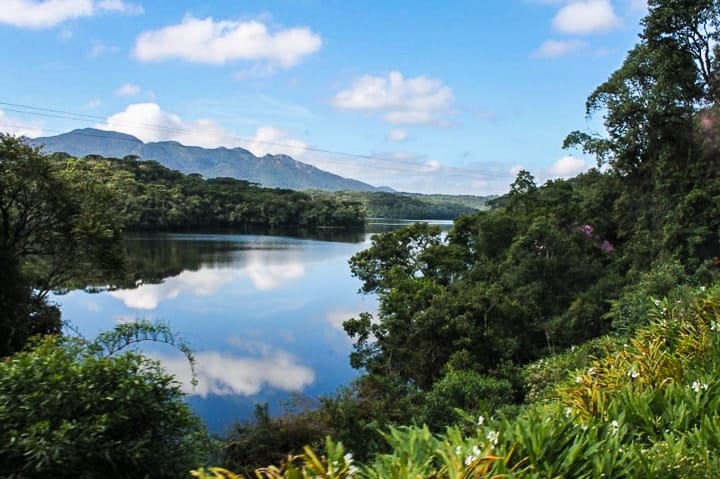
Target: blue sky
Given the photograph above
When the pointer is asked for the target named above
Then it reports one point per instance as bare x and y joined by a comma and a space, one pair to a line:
426, 96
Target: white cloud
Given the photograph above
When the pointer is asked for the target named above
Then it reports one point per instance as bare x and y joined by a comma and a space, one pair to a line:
33, 14
558, 48
430, 166
15, 126
48, 13
128, 89
585, 17
225, 375
567, 166
418, 100
397, 135
270, 140
149, 122
223, 41
121, 7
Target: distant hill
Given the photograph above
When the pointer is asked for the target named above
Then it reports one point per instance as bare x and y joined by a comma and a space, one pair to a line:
414, 206
273, 171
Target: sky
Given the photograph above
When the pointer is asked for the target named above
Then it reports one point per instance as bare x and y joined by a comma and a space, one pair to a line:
425, 96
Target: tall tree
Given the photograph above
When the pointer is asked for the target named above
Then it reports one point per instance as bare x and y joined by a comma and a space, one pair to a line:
55, 226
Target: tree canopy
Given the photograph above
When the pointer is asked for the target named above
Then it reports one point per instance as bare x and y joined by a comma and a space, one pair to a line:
55, 225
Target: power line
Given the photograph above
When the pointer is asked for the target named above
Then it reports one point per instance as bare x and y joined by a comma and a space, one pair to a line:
81, 117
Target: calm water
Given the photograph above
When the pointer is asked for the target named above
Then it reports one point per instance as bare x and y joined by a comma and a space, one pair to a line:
263, 314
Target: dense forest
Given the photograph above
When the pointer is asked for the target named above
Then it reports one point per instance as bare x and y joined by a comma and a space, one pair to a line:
153, 197
569, 331
414, 206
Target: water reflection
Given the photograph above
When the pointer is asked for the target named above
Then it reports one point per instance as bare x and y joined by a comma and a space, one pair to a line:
225, 374
263, 314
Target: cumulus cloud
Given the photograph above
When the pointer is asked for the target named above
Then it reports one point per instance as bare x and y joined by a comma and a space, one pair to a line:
149, 122
227, 375
585, 17
567, 166
418, 100
397, 135
48, 13
18, 127
270, 140
128, 89
219, 42
558, 48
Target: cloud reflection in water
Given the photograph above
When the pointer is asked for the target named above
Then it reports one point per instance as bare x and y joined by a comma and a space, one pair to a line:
226, 375
264, 273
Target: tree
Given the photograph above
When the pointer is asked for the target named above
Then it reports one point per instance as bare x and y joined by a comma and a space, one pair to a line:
55, 226
660, 113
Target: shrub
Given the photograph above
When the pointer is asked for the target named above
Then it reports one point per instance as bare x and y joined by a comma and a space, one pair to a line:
69, 410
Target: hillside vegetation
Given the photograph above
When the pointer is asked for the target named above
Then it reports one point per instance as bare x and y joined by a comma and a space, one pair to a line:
150, 196
493, 317
571, 331
413, 206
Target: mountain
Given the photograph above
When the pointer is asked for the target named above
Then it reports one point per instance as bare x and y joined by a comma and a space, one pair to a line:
274, 171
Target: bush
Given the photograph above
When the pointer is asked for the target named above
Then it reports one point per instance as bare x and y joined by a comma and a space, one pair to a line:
68, 410
467, 390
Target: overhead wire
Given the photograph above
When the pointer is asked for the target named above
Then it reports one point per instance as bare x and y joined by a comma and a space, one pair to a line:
418, 168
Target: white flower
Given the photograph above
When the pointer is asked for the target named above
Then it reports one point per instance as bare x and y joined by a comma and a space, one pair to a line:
476, 451
579, 379
352, 470
348, 458
469, 460
697, 386
458, 451
493, 437
703, 288
591, 371
714, 326
633, 374
657, 302
568, 411
615, 426
481, 420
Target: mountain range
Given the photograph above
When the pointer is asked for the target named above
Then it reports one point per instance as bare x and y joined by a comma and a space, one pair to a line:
273, 171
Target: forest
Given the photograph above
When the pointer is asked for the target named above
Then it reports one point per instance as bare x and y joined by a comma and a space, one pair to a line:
569, 331
153, 197
410, 206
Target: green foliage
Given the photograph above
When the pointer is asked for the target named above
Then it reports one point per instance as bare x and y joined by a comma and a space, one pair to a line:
552, 266
412, 206
466, 390
69, 410
265, 440
54, 227
153, 197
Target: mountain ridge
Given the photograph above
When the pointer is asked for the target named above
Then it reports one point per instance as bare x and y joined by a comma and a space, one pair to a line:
273, 171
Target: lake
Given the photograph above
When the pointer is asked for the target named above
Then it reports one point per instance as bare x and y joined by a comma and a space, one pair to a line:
263, 314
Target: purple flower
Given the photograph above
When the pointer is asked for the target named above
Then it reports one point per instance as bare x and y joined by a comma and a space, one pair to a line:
586, 230
607, 246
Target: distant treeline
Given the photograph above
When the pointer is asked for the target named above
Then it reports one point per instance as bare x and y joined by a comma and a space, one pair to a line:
413, 206
150, 196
